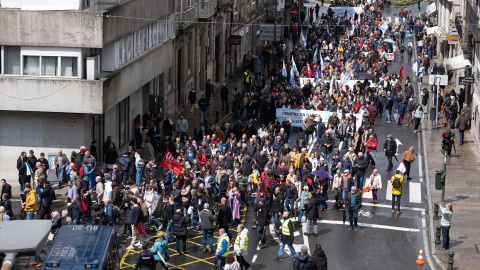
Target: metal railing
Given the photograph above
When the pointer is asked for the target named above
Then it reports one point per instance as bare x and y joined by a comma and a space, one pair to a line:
206, 8
188, 17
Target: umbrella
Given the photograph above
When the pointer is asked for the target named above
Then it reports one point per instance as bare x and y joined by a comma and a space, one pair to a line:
409, 35
389, 40
322, 173
364, 76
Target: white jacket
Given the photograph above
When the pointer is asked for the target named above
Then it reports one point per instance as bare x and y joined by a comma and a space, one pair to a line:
234, 266
377, 181
243, 235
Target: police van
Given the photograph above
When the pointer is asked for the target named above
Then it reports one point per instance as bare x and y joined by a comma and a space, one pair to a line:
83, 247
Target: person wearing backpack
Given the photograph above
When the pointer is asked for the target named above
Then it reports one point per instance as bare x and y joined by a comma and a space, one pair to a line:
397, 182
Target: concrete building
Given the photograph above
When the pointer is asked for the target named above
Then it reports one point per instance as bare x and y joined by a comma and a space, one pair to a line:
73, 71
458, 31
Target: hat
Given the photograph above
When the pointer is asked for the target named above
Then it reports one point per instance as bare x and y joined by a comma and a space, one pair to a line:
262, 200
82, 149
145, 245
125, 152
107, 176
346, 170
304, 249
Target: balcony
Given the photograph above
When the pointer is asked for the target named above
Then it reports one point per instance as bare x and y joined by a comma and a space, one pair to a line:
188, 17
206, 8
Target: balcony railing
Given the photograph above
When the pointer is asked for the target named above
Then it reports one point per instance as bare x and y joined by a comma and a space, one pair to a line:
188, 17
206, 8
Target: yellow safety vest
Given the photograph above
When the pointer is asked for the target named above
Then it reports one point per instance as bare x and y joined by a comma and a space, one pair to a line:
219, 245
285, 229
237, 242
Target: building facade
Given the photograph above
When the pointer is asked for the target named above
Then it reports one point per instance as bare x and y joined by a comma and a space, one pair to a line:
76, 71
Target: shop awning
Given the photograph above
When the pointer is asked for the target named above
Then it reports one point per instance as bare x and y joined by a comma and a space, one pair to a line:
457, 62
431, 8
431, 30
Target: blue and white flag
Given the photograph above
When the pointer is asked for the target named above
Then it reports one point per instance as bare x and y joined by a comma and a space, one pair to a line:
321, 63
304, 42
315, 56
328, 30
294, 66
284, 70
292, 77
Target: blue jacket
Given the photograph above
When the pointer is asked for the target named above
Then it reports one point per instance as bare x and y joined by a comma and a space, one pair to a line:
224, 248
363, 164
77, 210
160, 246
347, 165
45, 197
402, 108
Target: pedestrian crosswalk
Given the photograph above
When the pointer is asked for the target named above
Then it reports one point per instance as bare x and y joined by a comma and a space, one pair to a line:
414, 192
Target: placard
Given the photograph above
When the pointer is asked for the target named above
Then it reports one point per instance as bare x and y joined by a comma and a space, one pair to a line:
389, 56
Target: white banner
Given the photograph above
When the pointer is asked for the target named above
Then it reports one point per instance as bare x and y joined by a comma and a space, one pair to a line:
297, 116
304, 81
350, 10
340, 83
389, 56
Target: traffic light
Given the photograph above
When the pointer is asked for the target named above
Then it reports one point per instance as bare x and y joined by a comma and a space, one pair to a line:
446, 140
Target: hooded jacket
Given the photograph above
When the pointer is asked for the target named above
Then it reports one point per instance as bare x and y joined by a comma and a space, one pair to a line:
409, 155
179, 225
30, 202
243, 236
304, 262
320, 259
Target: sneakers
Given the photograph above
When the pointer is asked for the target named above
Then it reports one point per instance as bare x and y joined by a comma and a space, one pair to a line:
130, 247
278, 258
414, 131
315, 234
356, 229
138, 244
205, 250
351, 228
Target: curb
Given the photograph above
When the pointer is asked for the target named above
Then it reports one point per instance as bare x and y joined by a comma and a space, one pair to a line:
427, 184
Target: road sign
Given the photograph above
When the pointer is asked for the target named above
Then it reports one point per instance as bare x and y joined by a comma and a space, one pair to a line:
270, 32
466, 80
442, 79
443, 37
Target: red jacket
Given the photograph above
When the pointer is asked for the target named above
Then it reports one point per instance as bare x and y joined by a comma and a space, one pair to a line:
371, 144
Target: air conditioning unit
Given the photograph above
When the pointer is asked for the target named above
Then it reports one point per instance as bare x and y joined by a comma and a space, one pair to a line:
93, 67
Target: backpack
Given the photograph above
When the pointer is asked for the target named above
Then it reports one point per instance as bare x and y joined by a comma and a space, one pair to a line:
53, 196
396, 182
253, 178
82, 171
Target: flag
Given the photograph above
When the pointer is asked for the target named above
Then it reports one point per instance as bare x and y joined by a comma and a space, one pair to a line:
401, 72
294, 66
328, 30
317, 77
171, 163
304, 42
321, 62
315, 56
284, 70
292, 77
331, 87
415, 68
309, 71
361, 43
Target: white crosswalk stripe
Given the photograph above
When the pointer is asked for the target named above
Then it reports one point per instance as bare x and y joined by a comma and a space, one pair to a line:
415, 192
389, 190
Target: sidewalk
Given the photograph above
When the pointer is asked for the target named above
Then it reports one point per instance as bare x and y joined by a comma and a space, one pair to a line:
461, 190
215, 104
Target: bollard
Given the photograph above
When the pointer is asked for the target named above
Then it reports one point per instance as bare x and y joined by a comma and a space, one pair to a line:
227, 108
450, 260
217, 114
437, 235
435, 210
195, 131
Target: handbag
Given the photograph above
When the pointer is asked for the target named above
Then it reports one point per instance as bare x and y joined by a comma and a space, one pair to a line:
195, 106
402, 168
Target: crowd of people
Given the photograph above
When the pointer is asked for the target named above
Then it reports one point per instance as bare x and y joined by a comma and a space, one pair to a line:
226, 168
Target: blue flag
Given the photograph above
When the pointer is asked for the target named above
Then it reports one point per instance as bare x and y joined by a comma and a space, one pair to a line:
315, 56
284, 70
292, 77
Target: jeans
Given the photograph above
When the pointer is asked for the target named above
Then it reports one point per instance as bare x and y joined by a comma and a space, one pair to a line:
360, 180
416, 123
224, 101
30, 215
390, 164
237, 107
309, 223
203, 116
156, 222
261, 234
77, 221
326, 155
125, 177
168, 231
282, 248
389, 115
446, 237
289, 204
300, 215
276, 220
61, 172
353, 216
194, 220
221, 262
138, 179
182, 238
344, 193
37, 258
207, 233
396, 200
461, 133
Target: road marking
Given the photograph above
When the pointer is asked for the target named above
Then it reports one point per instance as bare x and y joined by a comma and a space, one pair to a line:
369, 225
420, 168
415, 192
367, 195
389, 190
296, 233
254, 258
305, 238
387, 206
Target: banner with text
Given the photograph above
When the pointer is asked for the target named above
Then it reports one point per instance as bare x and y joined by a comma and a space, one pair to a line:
350, 10
297, 116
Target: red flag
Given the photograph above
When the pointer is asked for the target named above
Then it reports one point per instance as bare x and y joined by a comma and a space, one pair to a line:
309, 71
171, 163
361, 43
401, 72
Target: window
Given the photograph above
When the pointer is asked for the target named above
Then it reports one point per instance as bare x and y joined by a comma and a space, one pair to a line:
49, 66
31, 65
12, 60
69, 67
123, 114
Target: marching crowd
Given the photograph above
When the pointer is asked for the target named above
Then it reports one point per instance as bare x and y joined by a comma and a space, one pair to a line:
226, 168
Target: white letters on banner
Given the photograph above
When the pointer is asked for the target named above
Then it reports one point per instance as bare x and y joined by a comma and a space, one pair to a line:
297, 116
304, 81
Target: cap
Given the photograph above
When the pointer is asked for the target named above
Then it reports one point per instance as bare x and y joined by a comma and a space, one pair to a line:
125, 152
82, 149
346, 170
262, 200
145, 245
